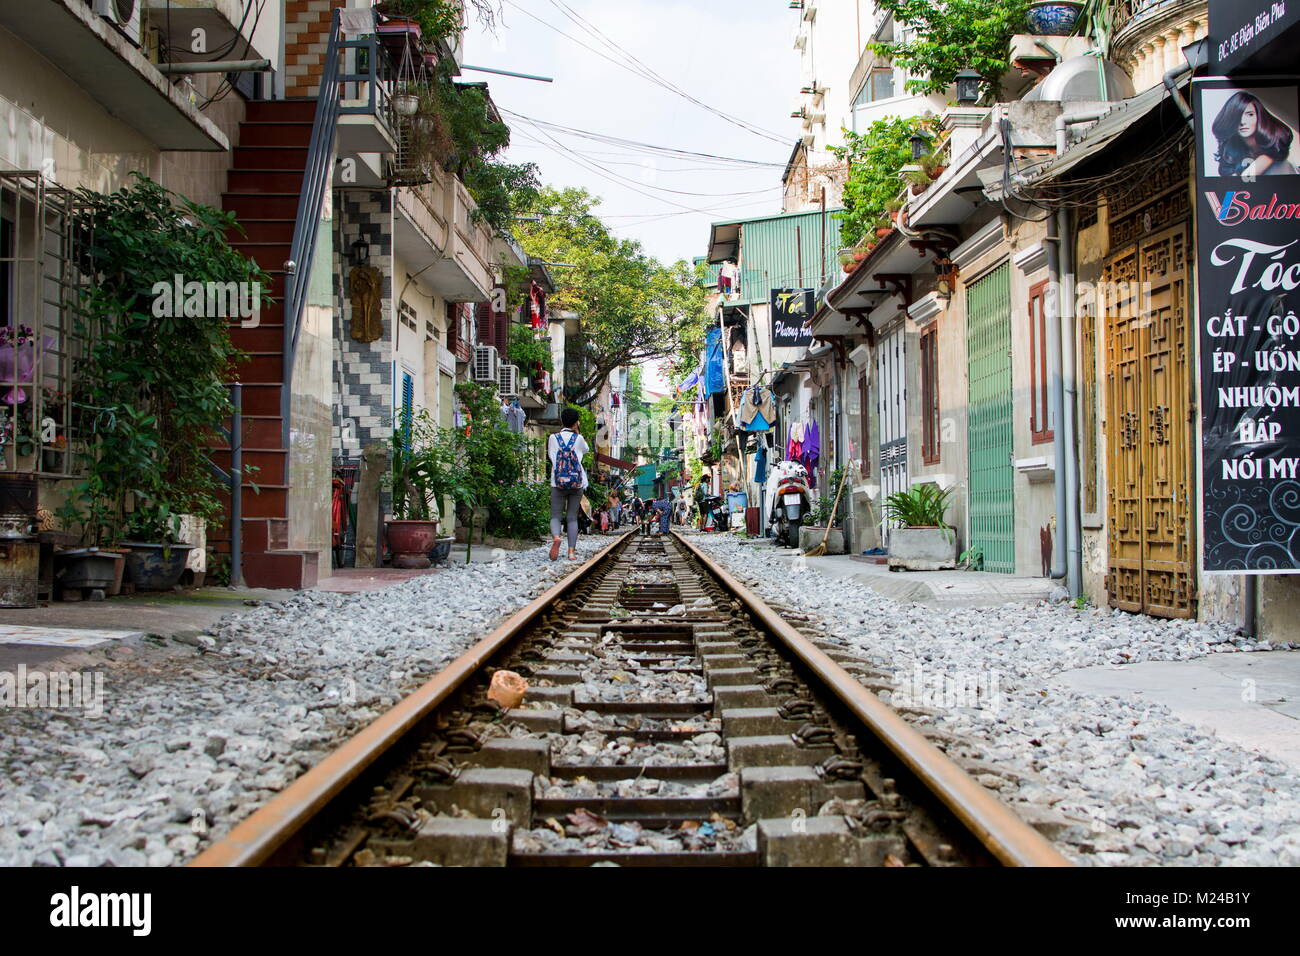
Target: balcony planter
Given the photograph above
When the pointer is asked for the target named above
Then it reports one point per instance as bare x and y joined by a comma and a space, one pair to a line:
922, 549
155, 567
1054, 18
410, 542
811, 535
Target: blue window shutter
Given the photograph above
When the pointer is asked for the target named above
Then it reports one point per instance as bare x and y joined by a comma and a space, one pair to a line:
408, 407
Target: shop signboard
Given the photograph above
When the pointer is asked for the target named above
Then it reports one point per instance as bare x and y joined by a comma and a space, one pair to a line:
1248, 278
792, 312
1244, 32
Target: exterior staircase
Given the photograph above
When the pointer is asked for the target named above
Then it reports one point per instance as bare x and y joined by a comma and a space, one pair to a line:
263, 187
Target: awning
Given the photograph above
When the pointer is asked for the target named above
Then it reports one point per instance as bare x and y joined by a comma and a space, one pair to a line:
615, 462
1105, 131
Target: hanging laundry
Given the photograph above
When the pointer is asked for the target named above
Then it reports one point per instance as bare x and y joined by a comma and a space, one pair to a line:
760, 465
729, 278
714, 378
810, 453
536, 306
757, 409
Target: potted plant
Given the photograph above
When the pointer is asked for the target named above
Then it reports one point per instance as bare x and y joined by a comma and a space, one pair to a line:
418, 474
155, 558
1054, 17
823, 514
162, 373
922, 540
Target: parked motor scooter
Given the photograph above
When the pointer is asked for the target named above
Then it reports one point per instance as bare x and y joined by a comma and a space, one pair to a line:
791, 504
716, 516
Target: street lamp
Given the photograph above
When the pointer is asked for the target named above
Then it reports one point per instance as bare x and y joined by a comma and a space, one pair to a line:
968, 87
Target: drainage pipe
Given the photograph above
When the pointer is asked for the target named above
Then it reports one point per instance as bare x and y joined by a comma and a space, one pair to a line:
1067, 422
1052, 319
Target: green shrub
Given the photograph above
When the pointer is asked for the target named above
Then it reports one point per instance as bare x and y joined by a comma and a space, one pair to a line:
523, 510
920, 507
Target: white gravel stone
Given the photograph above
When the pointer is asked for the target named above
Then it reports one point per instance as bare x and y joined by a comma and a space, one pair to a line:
277, 686
1144, 787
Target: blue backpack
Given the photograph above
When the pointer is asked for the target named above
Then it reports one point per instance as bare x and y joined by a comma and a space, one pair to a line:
568, 470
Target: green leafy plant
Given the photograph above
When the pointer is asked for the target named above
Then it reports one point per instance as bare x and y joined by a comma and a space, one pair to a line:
922, 506
875, 158
972, 559
947, 36
523, 510
823, 509
526, 350
418, 474
151, 387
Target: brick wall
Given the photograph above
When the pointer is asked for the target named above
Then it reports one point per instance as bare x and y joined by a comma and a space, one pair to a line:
306, 35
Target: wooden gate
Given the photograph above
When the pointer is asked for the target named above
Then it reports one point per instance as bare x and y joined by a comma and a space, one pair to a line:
891, 358
1149, 427
989, 428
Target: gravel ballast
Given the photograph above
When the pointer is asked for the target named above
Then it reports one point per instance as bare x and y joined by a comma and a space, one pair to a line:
1112, 780
194, 737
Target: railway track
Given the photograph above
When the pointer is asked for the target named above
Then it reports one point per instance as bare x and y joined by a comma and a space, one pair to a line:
672, 719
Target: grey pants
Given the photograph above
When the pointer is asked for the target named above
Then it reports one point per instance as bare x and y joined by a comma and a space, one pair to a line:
565, 503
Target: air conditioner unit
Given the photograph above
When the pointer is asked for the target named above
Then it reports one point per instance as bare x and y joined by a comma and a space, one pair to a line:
124, 15
486, 364
508, 381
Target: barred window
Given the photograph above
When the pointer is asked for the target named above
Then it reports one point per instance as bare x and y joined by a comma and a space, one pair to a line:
40, 423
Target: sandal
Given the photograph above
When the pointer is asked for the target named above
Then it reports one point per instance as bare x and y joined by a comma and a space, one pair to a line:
555, 549
573, 556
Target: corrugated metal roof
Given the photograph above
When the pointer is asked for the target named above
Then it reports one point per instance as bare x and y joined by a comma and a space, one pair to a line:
790, 251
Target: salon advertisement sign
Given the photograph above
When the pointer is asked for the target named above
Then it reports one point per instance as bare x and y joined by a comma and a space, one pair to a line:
1248, 268
792, 312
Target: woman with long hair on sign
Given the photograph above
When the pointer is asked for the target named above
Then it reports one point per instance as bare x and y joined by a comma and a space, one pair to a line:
1252, 141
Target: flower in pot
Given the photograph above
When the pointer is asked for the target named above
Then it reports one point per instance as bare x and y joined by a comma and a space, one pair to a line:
922, 540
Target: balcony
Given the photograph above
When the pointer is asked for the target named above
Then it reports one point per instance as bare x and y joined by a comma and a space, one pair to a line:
108, 66
224, 26
433, 231
1149, 36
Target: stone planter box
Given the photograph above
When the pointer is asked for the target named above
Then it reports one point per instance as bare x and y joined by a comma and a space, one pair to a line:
922, 549
810, 537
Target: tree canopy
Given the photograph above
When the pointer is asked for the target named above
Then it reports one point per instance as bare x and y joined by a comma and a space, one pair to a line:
632, 308
947, 36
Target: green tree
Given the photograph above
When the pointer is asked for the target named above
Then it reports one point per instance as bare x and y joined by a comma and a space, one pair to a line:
875, 158
948, 36
632, 308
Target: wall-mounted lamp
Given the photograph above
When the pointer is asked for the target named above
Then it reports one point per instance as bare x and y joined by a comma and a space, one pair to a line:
359, 252
946, 270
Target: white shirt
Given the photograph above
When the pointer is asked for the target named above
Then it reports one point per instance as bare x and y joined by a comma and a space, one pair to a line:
579, 449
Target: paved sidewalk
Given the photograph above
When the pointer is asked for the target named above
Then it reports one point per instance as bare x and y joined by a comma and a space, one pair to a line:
1250, 699
944, 589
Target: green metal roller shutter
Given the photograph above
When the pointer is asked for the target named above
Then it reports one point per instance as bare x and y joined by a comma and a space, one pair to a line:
988, 349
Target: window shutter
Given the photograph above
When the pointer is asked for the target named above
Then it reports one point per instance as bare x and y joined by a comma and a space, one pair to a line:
408, 408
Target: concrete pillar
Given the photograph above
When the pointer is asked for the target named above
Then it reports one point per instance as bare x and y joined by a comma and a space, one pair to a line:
374, 465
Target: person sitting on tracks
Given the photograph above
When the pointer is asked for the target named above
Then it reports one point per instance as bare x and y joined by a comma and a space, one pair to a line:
568, 481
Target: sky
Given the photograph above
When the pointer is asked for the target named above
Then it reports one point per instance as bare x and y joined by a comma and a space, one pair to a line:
736, 56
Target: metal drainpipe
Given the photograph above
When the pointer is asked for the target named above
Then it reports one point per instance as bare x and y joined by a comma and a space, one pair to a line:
1073, 529
1054, 394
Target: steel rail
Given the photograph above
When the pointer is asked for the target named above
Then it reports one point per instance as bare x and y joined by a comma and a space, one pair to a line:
1008, 838
256, 839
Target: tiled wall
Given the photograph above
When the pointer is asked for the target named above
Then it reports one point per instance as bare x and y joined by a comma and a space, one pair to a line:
306, 35
363, 372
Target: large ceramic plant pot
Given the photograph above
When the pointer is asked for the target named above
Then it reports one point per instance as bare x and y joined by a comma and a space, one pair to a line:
1054, 18
411, 541
155, 567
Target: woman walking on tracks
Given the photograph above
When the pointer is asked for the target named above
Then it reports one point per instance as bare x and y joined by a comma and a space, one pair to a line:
568, 481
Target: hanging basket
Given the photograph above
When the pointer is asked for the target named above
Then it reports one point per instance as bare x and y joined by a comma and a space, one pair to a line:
406, 104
